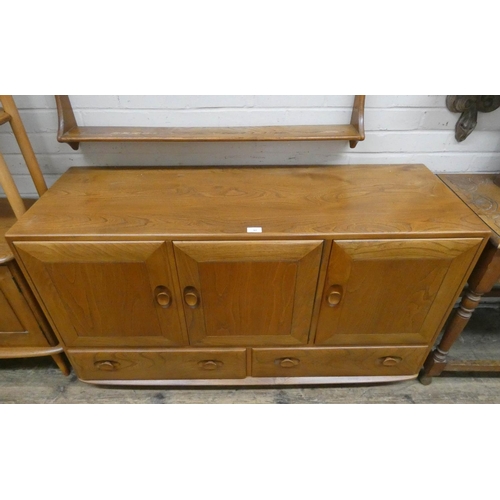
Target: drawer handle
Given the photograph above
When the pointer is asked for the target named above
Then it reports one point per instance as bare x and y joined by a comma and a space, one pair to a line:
210, 365
334, 295
287, 362
191, 297
107, 366
391, 361
163, 297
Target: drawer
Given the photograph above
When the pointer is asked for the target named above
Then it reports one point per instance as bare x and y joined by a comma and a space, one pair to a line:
337, 362
165, 364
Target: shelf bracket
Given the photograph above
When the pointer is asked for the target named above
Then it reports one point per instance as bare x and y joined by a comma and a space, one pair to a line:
67, 120
358, 119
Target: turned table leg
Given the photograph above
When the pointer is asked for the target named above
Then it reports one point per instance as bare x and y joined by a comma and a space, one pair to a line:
482, 280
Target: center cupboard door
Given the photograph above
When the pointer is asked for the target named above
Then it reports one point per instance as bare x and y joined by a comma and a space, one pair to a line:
248, 292
383, 292
107, 293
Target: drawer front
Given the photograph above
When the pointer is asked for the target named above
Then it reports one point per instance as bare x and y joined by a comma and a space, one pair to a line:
337, 362
179, 364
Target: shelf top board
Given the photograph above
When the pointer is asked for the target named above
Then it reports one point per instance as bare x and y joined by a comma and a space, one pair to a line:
372, 201
481, 193
209, 134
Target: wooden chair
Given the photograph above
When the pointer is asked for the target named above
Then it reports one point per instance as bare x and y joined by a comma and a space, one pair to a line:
24, 330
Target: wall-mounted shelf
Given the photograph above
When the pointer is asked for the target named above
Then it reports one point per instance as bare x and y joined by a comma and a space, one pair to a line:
71, 133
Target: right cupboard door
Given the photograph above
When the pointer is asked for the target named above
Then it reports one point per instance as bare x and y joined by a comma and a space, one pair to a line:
383, 292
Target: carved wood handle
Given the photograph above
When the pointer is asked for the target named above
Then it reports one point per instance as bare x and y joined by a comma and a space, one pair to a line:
391, 361
288, 362
164, 298
191, 297
334, 295
107, 365
210, 364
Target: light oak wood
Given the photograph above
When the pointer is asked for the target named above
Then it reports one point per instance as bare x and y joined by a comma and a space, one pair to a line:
18, 324
248, 293
358, 257
362, 276
104, 293
4, 117
70, 132
24, 143
31, 352
159, 364
9, 186
24, 332
341, 361
221, 203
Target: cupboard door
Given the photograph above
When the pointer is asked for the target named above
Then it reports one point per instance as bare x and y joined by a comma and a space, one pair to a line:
106, 293
18, 325
250, 292
391, 291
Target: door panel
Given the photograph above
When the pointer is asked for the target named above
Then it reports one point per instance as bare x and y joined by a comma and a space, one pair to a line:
248, 293
18, 325
107, 293
391, 291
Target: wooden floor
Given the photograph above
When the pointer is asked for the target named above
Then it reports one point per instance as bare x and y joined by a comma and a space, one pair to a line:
38, 381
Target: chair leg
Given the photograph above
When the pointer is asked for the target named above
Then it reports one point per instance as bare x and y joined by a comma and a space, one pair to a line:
62, 363
24, 143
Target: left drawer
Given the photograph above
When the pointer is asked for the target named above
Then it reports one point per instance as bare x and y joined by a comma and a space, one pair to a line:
164, 364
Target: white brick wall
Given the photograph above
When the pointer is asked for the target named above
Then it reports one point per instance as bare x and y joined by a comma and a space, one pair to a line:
399, 129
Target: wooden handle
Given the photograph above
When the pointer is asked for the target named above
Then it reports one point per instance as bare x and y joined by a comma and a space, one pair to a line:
210, 364
288, 362
107, 365
391, 361
163, 296
191, 297
164, 299
334, 295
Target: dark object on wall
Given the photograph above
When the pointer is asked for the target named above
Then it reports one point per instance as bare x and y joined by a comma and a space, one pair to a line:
469, 105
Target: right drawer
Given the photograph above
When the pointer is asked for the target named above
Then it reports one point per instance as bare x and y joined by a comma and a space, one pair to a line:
337, 361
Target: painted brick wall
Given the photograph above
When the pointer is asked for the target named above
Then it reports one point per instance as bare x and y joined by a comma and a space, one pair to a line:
399, 129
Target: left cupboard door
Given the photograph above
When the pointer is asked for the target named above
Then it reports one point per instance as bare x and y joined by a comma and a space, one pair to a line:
107, 293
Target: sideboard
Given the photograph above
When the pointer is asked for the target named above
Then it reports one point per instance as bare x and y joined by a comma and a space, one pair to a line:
248, 275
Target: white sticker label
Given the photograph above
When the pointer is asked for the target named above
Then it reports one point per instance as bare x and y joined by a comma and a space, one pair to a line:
254, 230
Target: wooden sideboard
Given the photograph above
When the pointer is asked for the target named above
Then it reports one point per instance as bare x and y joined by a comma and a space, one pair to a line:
248, 275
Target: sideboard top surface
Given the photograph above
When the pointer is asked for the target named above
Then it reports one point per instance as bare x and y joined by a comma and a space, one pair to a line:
328, 201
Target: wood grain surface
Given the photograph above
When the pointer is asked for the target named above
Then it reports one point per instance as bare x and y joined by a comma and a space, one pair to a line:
212, 134
105, 293
7, 220
306, 202
393, 291
343, 361
481, 193
251, 293
156, 365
